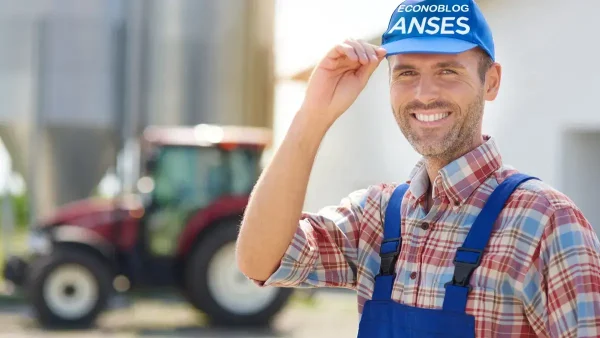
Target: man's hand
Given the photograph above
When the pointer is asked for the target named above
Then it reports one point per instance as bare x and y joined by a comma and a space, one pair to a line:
339, 78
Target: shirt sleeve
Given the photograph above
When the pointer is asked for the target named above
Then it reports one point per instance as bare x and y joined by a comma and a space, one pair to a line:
562, 287
323, 252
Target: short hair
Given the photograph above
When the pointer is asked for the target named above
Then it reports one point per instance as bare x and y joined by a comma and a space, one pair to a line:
485, 62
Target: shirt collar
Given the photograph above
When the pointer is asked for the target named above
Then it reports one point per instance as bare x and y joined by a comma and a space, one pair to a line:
461, 177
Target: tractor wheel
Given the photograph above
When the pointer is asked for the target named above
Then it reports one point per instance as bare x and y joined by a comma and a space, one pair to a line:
68, 288
216, 287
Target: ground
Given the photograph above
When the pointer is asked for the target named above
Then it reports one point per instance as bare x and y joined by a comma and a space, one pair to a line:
332, 314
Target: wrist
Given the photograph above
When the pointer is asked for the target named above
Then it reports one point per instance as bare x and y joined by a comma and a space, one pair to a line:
308, 129
316, 121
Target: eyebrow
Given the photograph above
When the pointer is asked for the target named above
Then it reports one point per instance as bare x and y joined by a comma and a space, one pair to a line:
449, 64
445, 64
402, 66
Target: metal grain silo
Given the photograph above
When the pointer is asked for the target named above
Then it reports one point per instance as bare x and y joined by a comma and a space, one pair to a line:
77, 78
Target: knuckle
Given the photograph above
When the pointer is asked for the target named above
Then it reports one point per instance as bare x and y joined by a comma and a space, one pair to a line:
345, 47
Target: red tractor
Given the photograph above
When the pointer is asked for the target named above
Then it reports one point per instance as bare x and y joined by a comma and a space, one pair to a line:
177, 230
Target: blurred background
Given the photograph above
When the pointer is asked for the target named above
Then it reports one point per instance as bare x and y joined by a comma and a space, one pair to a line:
131, 132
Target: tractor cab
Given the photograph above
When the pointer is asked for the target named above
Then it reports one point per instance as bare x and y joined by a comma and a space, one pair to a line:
177, 229
192, 177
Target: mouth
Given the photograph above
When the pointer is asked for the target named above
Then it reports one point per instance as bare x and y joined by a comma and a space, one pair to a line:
431, 119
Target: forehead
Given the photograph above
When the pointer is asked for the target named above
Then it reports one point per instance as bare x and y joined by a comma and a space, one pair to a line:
466, 59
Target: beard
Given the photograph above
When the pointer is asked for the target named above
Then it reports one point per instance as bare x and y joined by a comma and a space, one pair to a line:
445, 143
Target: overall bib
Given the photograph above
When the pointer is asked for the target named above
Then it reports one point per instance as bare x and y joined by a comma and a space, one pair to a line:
384, 318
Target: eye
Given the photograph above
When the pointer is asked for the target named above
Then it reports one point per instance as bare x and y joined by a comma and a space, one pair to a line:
407, 73
448, 72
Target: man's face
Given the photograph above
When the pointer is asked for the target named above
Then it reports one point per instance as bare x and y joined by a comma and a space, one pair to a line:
438, 100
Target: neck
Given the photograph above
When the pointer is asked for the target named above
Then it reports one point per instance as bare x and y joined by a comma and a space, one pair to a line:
435, 163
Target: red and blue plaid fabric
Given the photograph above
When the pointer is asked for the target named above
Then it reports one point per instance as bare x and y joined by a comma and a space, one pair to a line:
539, 276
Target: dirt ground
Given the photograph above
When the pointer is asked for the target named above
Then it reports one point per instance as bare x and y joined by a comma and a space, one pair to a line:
331, 314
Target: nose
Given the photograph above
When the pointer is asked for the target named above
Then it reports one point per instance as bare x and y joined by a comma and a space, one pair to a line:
427, 90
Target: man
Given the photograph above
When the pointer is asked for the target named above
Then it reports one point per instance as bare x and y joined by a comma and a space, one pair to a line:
469, 246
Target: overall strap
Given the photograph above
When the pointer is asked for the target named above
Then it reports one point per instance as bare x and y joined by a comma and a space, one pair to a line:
390, 245
468, 257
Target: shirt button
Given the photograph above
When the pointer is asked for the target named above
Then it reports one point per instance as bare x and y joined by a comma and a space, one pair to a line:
413, 275
425, 226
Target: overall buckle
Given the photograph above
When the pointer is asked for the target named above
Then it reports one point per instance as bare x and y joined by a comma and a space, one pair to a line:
388, 260
464, 270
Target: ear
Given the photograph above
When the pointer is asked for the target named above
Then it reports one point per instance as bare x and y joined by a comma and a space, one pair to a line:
492, 81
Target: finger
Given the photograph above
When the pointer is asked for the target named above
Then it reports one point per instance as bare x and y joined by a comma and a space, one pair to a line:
370, 50
381, 52
364, 73
343, 50
360, 51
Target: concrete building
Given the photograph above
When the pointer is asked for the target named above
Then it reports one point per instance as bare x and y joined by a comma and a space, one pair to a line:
545, 118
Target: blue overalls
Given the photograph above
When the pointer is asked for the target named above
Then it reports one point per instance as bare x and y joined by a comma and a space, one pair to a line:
384, 318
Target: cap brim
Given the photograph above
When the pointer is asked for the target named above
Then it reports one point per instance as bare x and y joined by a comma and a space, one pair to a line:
428, 45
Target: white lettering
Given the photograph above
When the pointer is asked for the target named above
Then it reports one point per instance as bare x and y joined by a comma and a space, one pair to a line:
433, 8
446, 24
466, 28
420, 25
432, 25
399, 26
432, 22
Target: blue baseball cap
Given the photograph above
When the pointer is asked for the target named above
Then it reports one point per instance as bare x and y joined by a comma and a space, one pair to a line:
437, 26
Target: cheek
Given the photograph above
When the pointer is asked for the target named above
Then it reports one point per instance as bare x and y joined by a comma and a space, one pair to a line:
460, 93
400, 95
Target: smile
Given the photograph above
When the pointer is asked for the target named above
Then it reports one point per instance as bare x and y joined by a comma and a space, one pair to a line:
431, 117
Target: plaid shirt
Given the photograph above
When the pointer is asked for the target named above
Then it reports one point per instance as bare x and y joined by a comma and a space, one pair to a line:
539, 276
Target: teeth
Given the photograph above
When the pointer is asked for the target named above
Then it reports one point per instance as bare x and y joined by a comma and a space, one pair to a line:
431, 118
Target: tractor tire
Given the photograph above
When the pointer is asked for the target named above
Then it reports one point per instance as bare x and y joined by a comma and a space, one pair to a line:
68, 288
216, 287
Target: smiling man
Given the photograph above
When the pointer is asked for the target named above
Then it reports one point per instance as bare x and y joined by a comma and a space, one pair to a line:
467, 246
